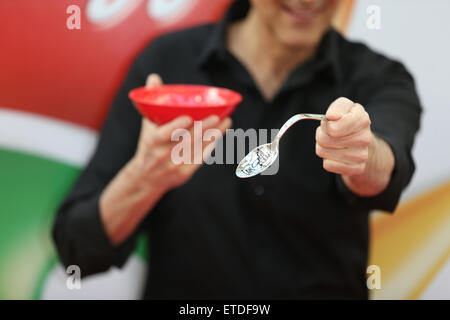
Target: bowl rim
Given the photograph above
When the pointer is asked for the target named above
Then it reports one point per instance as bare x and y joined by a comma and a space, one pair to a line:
237, 96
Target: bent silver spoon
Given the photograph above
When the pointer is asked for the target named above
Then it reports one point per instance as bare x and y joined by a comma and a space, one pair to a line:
263, 156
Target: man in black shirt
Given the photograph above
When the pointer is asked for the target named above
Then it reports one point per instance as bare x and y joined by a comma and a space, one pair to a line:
302, 233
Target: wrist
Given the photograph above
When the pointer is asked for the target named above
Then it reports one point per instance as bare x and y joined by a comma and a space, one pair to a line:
377, 172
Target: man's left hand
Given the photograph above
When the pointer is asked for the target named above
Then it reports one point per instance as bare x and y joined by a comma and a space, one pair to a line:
343, 140
347, 146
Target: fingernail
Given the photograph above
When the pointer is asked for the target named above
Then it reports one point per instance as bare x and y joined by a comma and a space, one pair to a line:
150, 80
153, 80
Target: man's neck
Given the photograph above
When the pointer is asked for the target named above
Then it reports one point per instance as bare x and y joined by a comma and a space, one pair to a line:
268, 61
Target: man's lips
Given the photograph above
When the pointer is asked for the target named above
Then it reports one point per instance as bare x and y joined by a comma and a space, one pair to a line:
300, 15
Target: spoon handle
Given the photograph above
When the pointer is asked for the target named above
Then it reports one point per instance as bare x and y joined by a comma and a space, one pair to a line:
294, 119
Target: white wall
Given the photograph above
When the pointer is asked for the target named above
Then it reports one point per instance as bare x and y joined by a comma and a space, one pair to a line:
418, 32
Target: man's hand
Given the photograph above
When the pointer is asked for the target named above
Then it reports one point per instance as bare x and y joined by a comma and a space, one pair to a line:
153, 160
343, 141
348, 147
150, 173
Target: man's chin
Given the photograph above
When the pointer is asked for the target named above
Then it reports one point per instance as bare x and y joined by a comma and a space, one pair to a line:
299, 42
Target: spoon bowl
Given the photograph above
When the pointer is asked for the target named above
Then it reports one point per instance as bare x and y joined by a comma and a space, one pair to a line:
263, 156
257, 161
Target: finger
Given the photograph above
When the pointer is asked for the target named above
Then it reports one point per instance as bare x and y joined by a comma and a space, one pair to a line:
350, 123
197, 134
210, 130
164, 132
343, 168
217, 134
218, 131
210, 122
225, 124
338, 108
188, 171
202, 125
359, 139
153, 80
208, 149
347, 155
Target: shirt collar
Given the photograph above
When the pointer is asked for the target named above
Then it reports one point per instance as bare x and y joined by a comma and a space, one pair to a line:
326, 60
215, 44
327, 54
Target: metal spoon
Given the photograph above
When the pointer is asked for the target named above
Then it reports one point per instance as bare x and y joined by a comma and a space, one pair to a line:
262, 157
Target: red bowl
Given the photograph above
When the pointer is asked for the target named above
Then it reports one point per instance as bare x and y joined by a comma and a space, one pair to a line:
164, 103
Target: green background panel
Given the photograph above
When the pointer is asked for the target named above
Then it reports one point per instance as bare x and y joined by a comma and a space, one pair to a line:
31, 188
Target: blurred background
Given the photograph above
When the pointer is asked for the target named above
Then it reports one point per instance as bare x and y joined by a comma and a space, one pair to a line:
57, 83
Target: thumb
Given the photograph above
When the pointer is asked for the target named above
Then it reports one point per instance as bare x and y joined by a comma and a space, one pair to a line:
338, 108
153, 80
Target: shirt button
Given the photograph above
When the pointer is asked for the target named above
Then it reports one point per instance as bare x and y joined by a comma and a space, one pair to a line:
259, 190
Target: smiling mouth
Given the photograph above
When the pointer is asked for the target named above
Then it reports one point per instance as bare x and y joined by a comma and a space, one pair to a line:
301, 15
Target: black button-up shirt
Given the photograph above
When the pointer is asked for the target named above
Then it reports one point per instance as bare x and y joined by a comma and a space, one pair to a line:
297, 234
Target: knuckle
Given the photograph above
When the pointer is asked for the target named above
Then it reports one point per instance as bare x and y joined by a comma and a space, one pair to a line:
328, 166
361, 156
359, 107
366, 119
365, 154
366, 138
321, 138
333, 130
363, 139
318, 133
319, 151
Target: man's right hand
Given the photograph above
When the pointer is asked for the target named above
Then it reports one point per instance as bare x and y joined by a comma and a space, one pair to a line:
153, 155
151, 172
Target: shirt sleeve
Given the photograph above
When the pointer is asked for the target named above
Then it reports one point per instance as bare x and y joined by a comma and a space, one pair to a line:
78, 232
394, 109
